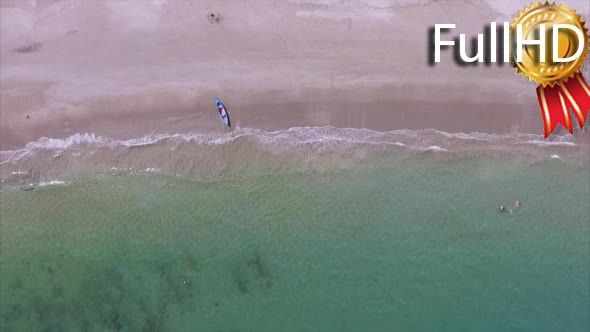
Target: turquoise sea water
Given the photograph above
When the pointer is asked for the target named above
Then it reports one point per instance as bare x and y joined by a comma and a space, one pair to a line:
398, 244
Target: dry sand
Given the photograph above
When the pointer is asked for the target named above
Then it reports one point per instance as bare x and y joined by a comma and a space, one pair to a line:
126, 69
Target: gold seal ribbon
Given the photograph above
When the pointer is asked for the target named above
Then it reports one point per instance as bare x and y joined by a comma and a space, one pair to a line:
554, 64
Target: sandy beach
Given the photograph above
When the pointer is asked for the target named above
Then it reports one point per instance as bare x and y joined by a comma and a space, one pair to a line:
358, 189
127, 69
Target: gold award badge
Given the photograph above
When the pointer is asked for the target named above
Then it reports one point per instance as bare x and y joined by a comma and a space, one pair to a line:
552, 44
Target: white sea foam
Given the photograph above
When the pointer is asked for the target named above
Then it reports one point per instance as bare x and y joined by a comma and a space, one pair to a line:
50, 183
554, 156
551, 143
151, 170
246, 149
435, 148
316, 137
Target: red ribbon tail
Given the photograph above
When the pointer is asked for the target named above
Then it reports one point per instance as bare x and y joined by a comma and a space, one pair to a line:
577, 93
553, 109
556, 101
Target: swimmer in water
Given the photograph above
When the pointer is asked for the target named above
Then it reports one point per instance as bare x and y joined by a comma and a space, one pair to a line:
516, 205
504, 209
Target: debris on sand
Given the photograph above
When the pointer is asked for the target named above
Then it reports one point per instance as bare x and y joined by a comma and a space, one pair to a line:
214, 18
33, 47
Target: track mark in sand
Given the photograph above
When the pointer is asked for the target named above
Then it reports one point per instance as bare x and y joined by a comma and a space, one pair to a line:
33, 47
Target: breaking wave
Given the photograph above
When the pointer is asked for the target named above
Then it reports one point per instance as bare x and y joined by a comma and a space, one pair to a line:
246, 148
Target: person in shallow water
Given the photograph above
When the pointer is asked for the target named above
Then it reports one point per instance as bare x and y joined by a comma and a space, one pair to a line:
504, 209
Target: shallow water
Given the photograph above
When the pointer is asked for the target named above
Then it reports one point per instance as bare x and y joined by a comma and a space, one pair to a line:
247, 151
413, 243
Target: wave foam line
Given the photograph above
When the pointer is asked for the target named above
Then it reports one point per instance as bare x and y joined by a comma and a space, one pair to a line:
418, 139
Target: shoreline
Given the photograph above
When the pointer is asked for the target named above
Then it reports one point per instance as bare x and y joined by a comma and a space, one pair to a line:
151, 113
248, 151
